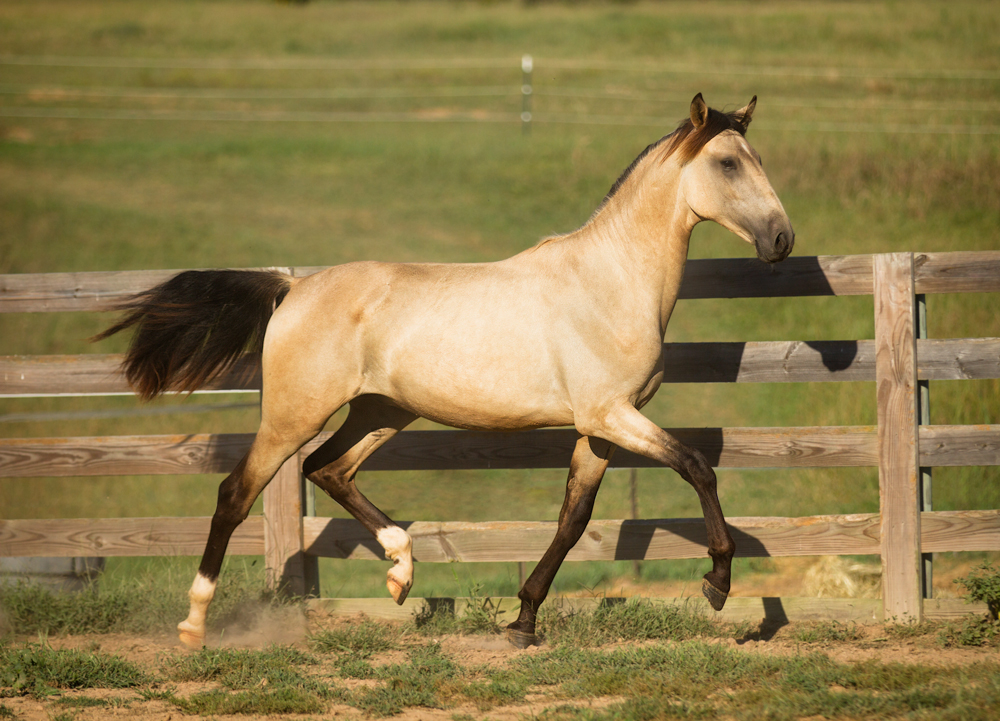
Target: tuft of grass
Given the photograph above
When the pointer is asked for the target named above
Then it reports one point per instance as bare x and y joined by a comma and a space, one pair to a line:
632, 620
362, 640
82, 702
6, 712
38, 670
243, 668
283, 700
479, 616
429, 679
253, 682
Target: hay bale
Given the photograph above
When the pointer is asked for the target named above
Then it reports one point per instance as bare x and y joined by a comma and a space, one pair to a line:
838, 577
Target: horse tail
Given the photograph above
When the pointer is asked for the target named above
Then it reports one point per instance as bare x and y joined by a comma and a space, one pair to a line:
195, 326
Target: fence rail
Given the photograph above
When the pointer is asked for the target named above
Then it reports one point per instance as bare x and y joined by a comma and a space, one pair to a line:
896, 361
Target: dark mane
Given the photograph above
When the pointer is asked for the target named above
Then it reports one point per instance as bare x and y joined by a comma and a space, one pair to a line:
686, 141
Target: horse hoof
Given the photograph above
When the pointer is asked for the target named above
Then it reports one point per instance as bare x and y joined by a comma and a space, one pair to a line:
715, 597
520, 639
397, 590
191, 639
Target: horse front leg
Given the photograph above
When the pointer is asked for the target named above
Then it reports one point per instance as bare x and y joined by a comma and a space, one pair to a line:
628, 428
334, 465
590, 460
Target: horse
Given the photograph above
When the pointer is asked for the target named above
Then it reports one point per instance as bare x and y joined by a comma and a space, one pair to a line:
566, 333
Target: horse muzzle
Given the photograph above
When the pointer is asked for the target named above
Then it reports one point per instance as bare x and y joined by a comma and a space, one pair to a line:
778, 245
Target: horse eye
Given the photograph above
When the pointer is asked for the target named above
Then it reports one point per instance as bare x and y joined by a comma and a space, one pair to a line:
729, 164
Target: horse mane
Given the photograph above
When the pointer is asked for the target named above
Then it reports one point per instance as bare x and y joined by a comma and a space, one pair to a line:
686, 141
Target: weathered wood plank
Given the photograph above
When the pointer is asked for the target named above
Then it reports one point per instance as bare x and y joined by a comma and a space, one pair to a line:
957, 272
122, 537
960, 445
769, 362
716, 278
953, 359
794, 276
806, 447
896, 383
960, 531
443, 542
99, 374
760, 362
283, 557
89, 291
801, 447
122, 455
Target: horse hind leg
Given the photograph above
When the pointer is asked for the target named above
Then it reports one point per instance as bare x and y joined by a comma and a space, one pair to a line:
237, 494
333, 466
590, 460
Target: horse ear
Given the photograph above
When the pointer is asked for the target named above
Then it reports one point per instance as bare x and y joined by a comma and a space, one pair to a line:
699, 111
744, 115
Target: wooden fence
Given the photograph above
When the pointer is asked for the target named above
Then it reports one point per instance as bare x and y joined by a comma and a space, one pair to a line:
897, 360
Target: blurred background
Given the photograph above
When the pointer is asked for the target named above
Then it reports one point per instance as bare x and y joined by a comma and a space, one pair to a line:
230, 134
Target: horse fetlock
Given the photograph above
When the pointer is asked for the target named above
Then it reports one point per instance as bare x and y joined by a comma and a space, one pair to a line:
398, 548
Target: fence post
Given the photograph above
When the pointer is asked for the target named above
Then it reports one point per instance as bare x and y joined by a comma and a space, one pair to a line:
896, 389
283, 556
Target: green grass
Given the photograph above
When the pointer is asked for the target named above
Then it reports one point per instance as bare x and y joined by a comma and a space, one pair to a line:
85, 194
38, 670
150, 600
651, 662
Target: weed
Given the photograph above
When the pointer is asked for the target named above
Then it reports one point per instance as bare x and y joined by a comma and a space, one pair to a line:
6, 712
983, 584
970, 631
827, 631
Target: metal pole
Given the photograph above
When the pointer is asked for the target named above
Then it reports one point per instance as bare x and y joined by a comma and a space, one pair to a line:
527, 65
924, 407
633, 492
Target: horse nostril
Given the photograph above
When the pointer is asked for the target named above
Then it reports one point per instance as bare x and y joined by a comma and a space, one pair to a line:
782, 244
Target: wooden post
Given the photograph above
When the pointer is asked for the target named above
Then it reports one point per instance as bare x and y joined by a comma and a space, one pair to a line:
283, 556
896, 388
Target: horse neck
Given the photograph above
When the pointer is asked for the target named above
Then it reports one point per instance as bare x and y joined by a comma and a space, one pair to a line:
646, 228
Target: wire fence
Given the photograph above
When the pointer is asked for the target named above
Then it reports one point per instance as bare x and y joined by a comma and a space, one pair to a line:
546, 93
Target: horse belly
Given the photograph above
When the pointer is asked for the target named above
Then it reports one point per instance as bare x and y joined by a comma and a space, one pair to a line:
482, 391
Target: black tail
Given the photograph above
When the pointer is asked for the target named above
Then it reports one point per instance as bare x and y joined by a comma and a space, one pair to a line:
195, 326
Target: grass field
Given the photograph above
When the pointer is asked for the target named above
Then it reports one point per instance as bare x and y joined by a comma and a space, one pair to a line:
176, 135
628, 662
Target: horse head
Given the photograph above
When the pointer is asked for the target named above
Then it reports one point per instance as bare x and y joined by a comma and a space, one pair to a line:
723, 180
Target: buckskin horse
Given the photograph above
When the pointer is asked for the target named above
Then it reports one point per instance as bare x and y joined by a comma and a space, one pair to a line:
567, 332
